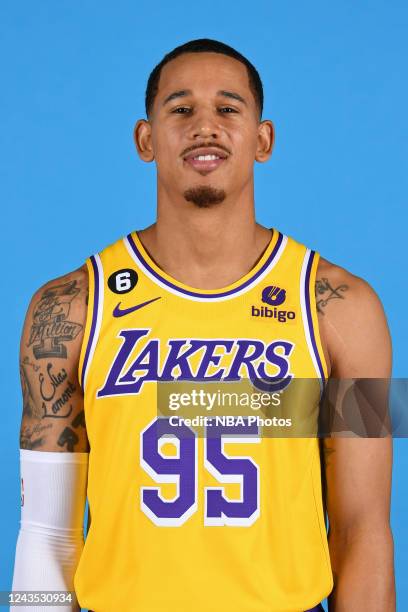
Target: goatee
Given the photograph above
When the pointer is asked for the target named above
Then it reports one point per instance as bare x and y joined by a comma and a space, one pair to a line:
205, 196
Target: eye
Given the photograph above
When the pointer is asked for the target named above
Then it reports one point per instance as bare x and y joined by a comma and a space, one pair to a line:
181, 110
227, 109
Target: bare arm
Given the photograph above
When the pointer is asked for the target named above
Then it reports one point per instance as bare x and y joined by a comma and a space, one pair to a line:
53, 415
54, 479
357, 470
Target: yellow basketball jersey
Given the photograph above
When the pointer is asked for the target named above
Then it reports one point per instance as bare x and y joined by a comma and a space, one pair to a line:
182, 520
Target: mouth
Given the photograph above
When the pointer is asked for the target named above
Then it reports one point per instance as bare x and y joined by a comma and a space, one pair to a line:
205, 160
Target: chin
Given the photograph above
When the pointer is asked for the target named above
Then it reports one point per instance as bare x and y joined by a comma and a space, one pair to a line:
204, 196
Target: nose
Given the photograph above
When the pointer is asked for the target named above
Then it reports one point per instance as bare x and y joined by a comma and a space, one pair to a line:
204, 125
205, 131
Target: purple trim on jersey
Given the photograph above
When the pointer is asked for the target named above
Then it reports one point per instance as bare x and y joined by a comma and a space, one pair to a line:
94, 318
152, 271
309, 315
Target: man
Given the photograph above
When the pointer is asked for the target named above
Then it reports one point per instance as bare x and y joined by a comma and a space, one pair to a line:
205, 294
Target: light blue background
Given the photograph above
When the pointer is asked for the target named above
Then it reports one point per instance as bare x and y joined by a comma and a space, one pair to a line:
72, 84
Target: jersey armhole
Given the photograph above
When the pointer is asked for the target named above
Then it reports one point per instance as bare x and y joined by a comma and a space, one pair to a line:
93, 317
309, 312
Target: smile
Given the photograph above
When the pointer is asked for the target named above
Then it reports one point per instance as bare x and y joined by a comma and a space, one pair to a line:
205, 161
206, 157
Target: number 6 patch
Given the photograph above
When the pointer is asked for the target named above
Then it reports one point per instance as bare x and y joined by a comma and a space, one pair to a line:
122, 281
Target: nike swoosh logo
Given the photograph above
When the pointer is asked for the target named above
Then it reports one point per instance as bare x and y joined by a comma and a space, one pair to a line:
118, 312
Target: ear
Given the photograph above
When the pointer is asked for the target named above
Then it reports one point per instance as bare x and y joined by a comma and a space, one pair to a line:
142, 135
266, 139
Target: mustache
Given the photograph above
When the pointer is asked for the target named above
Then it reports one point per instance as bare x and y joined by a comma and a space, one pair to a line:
202, 145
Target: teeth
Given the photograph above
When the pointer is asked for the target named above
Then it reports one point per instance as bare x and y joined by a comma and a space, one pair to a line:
206, 157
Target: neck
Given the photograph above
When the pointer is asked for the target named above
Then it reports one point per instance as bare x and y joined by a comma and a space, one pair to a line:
206, 248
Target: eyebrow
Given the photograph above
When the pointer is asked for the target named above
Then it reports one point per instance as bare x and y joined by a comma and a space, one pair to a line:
187, 92
231, 94
177, 94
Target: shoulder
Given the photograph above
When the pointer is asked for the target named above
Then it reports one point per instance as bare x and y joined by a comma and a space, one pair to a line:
56, 315
336, 285
352, 323
73, 283
71, 288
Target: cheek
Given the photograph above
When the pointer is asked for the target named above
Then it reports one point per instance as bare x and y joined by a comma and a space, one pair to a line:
244, 132
245, 145
167, 148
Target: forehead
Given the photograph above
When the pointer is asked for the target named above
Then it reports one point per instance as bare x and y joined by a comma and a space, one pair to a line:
210, 72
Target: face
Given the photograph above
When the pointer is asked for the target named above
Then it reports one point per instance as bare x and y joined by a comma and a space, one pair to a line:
204, 131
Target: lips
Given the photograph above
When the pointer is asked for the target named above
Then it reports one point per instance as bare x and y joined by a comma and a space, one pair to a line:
206, 160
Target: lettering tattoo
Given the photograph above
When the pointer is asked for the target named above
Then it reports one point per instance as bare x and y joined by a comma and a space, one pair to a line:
325, 292
49, 384
48, 388
68, 437
51, 326
28, 441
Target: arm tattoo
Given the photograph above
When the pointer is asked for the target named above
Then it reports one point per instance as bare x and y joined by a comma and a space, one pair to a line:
26, 362
27, 441
29, 406
51, 326
69, 438
79, 420
48, 389
325, 292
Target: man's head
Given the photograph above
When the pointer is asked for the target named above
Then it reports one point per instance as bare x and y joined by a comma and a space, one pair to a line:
204, 102
204, 45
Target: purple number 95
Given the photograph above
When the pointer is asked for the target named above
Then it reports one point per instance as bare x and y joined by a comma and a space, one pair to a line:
182, 470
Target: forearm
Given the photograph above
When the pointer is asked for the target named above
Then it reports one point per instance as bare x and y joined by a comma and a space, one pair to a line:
50, 540
46, 562
362, 562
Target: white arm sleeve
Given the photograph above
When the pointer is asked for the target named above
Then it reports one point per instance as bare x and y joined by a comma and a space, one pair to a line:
50, 540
